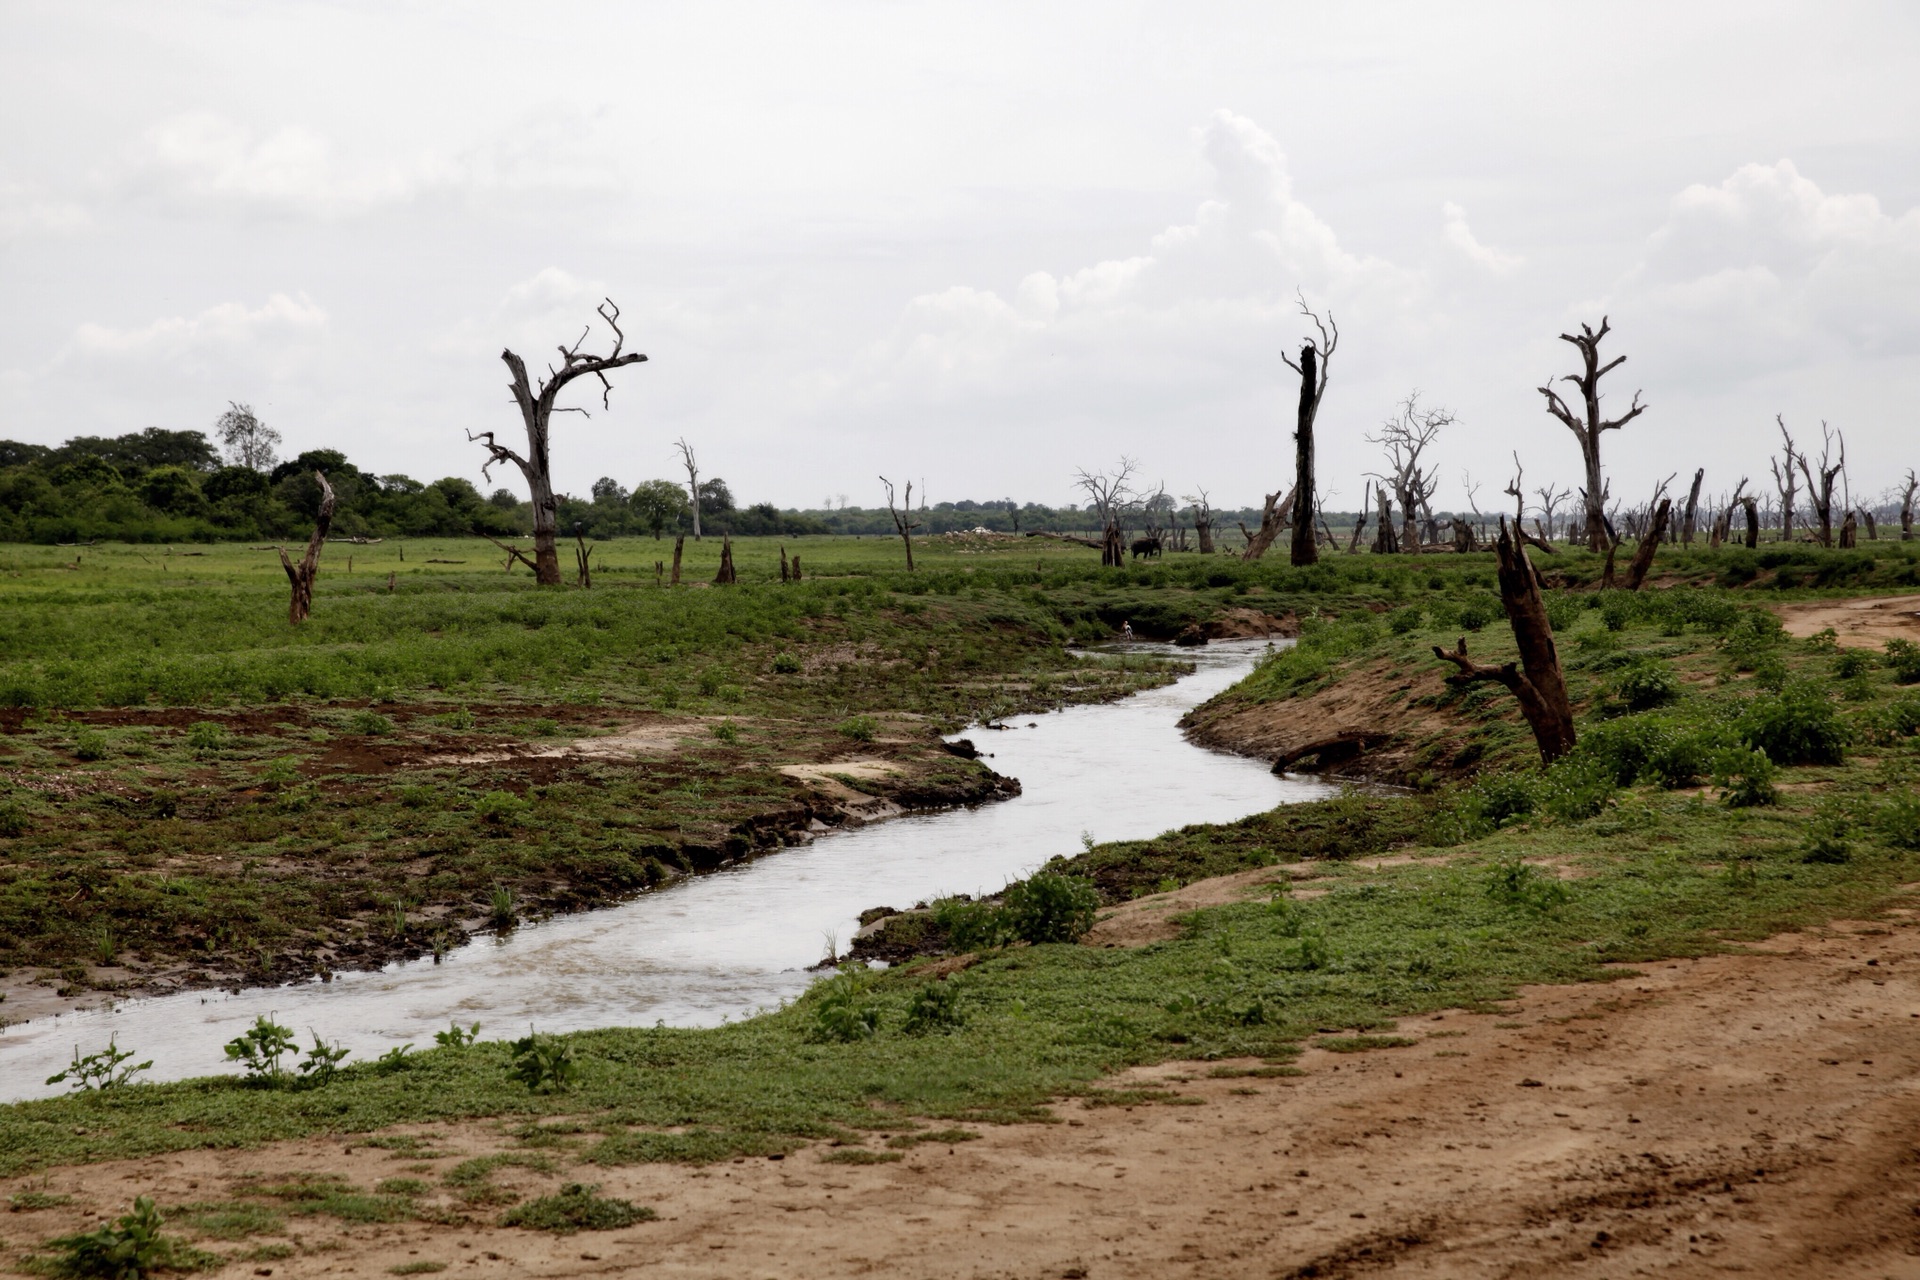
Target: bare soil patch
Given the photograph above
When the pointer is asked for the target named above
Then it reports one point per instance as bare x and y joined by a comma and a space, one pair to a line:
1858, 624
1747, 1113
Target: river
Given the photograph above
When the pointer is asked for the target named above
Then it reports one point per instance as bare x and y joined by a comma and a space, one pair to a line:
740, 940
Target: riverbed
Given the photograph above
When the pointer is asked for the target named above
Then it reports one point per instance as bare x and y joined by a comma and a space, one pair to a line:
741, 940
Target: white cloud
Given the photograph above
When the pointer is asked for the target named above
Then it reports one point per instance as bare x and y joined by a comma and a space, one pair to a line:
1461, 237
27, 210
224, 336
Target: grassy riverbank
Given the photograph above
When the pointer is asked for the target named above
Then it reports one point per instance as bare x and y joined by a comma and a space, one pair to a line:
1663, 835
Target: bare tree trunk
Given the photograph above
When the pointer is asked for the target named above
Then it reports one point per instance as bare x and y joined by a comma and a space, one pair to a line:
1847, 536
1272, 521
1752, 509
1589, 427
537, 407
1649, 543
583, 559
1463, 541
1906, 507
785, 573
692, 464
904, 523
726, 576
1385, 541
1693, 505
1304, 549
679, 545
1359, 527
303, 574
1537, 680
1866, 515
796, 566
1203, 529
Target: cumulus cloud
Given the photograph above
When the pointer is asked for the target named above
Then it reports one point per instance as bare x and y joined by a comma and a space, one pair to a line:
1197, 315
1461, 237
1765, 268
28, 210
227, 335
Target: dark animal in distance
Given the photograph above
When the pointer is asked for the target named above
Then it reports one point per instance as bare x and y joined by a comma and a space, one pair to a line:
1145, 547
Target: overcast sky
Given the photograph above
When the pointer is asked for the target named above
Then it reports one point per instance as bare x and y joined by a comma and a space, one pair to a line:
984, 244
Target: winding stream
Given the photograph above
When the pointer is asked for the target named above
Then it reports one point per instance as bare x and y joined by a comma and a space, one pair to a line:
724, 945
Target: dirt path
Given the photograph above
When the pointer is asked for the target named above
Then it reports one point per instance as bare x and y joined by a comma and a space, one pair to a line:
1858, 623
1756, 1113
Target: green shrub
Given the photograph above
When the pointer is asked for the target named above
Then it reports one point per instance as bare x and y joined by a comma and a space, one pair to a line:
1646, 683
501, 909
726, 731
842, 1013
501, 808
206, 736
543, 1063
1573, 789
14, 820
1563, 611
1405, 621
858, 728
260, 1049
785, 663
1500, 798
322, 1063
105, 1069
1798, 725
1850, 663
1827, 843
1744, 776
972, 926
281, 773
1050, 907
1514, 883
129, 1248
90, 744
1617, 609
1477, 610
1899, 822
1904, 657
576, 1207
457, 1036
371, 723
935, 1007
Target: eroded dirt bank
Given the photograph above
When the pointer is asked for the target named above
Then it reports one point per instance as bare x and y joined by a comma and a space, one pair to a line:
1750, 1113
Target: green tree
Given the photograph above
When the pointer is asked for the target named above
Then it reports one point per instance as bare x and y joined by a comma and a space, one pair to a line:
657, 504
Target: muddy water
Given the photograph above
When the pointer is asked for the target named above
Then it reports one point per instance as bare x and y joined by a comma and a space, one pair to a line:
724, 945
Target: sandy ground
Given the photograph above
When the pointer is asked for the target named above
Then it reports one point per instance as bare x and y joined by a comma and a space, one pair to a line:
1755, 1113
1857, 623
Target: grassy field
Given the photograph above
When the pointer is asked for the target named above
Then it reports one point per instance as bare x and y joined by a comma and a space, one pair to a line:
1731, 782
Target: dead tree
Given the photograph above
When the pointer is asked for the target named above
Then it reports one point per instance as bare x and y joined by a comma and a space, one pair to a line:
1589, 426
1550, 499
1723, 523
1202, 520
1693, 506
1784, 479
1820, 492
1275, 517
582, 555
786, 574
903, 521
1405, 437
1848, 539
1385, 541
1906, 507
302, 575
1110, 497
726, 577
1536, 680
537, 407
679, 545
1312, 369
692, 464
1752, 507
1642, 560
1359, 528
1517, 493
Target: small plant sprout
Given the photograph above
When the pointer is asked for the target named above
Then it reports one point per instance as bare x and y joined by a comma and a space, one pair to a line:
1087, 842
129, 1248
726, 731
260, 1049
106, 1069
544, 1063
502, 911
322, 1062
457, 1036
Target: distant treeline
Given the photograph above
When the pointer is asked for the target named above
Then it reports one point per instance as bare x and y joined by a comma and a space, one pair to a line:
174, 486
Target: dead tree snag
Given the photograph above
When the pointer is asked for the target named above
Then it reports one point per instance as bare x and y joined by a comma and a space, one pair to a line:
1642, 560
537, 407
692, 464
1588, 426
1275, 517
1110, 497
303, 574
1312, 369
1820, 491
1906, 507
1536, 680
726, 577
1405, 437
1693, 507
903, 521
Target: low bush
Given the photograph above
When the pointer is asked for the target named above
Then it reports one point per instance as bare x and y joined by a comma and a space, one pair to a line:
1646, 683
935, 1008
842, 1013
501, 809
90, 745
106, 1069
1744, 776
1899, 822
1514, 883
1796, 726
576, 1207
544, 1064
972, 926
1050, 907
1903, 656
858, 728
129, 1248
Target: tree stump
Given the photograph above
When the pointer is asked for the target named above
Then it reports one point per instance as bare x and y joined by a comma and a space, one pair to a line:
303, 574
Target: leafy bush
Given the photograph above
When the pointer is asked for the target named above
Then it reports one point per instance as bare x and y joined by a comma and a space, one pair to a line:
1405, 621
322, 1063
14, 820
576, 1207
785, 663
843, 1014
90, 744
501, 808
129, 1248
105, 1069
457, 1036
1797, 725
1573, 789
501, 909
1827, 843
1050, 907
1477, 610
206, 736
1563, 611
858, 728
1645, 683
281, 773
1850, 663
1756, 633
1899, 822
1744, 776
1502, 797
1904, 657
1514, 883
371, 723
727, 731
543, 1063
935, 1007
1617, 609
972, 926
260, 1049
